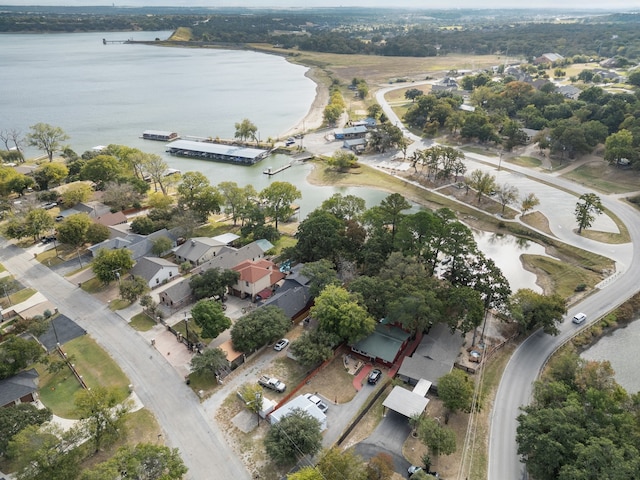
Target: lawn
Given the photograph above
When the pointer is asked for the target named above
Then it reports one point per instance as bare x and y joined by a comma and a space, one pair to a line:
601, 176
142, 322
529, 162
118, 304
565, 277
96, 368
17, 297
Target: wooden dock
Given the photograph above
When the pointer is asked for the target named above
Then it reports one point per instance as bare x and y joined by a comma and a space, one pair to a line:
269, 171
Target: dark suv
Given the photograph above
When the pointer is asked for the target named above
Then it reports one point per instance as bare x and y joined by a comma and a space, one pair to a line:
374, 376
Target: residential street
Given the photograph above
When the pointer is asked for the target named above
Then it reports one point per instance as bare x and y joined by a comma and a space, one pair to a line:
161, 389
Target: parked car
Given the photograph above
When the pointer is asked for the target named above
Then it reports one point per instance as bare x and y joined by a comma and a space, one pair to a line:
281, 345
317, 401
374, 376
272, 383
49, 205
413, 469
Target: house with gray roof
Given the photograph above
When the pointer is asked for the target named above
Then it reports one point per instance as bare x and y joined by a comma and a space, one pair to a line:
548, 58
569, 91
295, 302
229, 257
177, 295
21, 388
198, 250
139, 245
155, 270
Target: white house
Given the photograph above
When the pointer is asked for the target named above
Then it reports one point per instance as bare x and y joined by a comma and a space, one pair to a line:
156, 271
301, 403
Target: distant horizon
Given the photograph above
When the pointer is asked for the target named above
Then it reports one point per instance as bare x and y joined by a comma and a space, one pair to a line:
611, 5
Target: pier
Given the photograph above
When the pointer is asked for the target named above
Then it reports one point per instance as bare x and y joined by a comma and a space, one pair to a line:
113, 42
271, 172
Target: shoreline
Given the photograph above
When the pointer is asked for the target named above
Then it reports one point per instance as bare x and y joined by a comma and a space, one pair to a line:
314, 117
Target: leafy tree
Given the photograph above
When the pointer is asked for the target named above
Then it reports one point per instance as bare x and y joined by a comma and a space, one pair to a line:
210, 317
295, 435
144, 226
306, 473
619, 146
634, 77
462, 307
482, 182
588, 206
313, 348
455, 389
73, 229
197, 195
320, 274
103, 414
252, 395
348, 207
440, 440
120, 196
156, 168
133, 288
342, 160
335, 464
259, 327
47, 453
19, 183
159, 201
416, 310
338, 313
108, 265
413, 93
389, 212
513, 134
76, 194
161, 245
37, 221
320, 235
380, 467
51, 173
236, 198
374, 110
210, 361
332, 113
213, 282
529, 203
46, 138
245, 130
16, 353
17, 418
142, 462
101, 170
277, 198
506, 194
532, 310
97, 233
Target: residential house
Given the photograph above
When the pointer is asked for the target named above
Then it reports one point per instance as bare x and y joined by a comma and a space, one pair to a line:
257, 279
198, 250
301, 403
292, 295
21, 388
548, 58
229, 257
384, 345
139, 245
156, 271
177, 295
434, 357
110, 219
530, 134
569, 91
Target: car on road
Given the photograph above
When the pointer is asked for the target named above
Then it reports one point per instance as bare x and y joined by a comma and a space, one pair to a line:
281, 345
579, 318
374, 376
317, 401
49, 205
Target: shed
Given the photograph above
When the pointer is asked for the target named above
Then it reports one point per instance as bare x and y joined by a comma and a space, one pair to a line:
350, 132
405, 402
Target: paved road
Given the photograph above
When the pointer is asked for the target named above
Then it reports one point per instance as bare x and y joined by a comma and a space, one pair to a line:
185, 423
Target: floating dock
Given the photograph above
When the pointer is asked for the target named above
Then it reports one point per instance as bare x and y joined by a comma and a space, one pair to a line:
160, 135
217, 152
269, 171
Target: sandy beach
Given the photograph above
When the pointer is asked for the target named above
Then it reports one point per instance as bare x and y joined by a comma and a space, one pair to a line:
314, 117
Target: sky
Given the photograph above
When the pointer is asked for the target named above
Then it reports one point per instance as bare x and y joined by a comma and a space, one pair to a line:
427, 4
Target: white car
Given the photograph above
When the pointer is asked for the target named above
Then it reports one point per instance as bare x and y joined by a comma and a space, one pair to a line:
281, 345
317, 401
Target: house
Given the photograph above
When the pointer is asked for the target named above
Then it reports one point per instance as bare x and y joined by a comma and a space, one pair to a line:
177, 295
299, 403
156, 271
530, 134
198, 250
569, 91
434, 356
257, 278
139, 245
21, 388
548, 58
110, 219
294, 302
384, 345
229, 257
350, 132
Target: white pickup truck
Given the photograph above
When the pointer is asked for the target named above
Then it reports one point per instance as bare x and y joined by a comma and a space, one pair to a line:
272, 383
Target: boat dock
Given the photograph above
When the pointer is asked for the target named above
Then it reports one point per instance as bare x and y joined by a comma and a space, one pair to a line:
271, 172
301, 157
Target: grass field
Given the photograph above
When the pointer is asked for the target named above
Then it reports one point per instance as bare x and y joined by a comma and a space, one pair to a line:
142, 323
565, 277
603, 177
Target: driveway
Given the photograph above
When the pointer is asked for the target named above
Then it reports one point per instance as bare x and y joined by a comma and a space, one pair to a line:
388, 437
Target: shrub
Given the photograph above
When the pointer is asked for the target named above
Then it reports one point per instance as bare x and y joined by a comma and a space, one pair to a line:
581, 287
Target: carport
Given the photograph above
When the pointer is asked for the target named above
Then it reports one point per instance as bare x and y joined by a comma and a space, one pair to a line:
405, 402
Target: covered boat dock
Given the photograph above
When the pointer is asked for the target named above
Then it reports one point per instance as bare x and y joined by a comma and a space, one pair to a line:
217, 152
160, 135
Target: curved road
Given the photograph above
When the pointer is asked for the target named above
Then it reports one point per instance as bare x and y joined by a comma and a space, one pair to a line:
516, 385
184, 422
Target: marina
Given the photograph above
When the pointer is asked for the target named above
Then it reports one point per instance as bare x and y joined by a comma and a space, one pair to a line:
218, 152
160, 135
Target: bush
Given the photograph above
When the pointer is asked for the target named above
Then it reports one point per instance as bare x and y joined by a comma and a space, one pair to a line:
581, 287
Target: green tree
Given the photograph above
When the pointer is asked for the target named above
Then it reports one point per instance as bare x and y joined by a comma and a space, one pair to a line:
295, 435
634, 77
19, 183
210, 361
197, 195
133, 288
76, 194
103, 414
17, 418
619, 146
413, 93
16, 353
374, 110
587, 207
482, 182
380, 467
342, 160
101, 170
144, 226
529, 203
37, 221
306, 473
252, 395
438, 439
108, 265
277, 198
156, 168
347, 207
332, 113
455, 389
210, 317
46, 138
320, 236
259, 327
161, 245
213, 282
338, 313
506, 195
320, 274
73, 229
335, 464
246, 130
236, 198
142, 462
533, 310
312, 348
391, 208
97, 233
51, 173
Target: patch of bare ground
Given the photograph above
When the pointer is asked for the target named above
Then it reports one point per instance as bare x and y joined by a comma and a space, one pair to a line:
538, 221
333, 383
